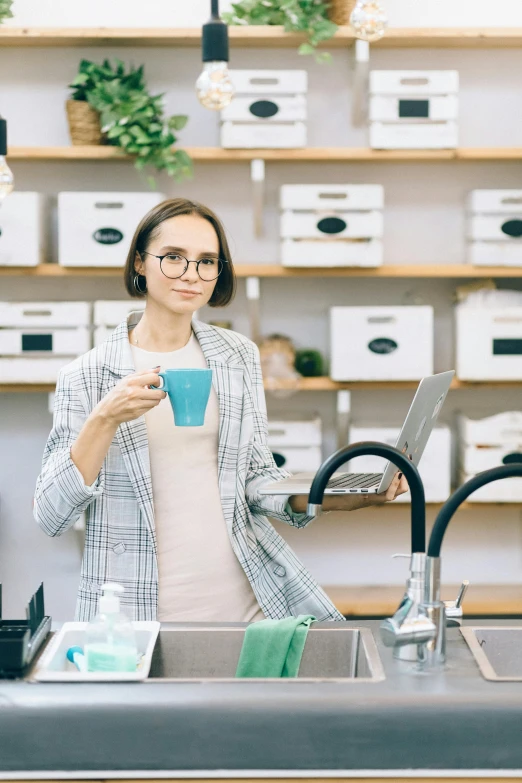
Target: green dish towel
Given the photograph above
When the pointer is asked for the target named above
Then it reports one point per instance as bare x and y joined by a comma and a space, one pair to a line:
273, 648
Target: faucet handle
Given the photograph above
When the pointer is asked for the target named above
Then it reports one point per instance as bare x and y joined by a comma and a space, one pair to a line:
454, 608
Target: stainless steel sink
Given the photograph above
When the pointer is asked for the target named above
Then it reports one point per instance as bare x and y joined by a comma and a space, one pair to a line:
332, 652
497, 651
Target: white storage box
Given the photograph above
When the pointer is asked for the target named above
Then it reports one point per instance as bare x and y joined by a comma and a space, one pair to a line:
297, 459
502, 429
31, 370
413, 109
95, 229
381, 343
495, 227
434, 466
489, 343
476, 459
296, 442
331, 225
269, 110
108, 314
59, 341
505, 491
53, 665
295, 431
21, 230
48, 314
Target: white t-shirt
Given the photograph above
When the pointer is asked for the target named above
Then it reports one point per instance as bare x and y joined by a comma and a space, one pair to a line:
200, 577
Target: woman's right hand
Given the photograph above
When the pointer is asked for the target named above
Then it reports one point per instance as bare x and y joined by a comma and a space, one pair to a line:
131, 397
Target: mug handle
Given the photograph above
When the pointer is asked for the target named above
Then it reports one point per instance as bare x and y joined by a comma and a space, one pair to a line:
163, 386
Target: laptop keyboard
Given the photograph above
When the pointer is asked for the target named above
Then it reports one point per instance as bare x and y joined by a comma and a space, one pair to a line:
355, 480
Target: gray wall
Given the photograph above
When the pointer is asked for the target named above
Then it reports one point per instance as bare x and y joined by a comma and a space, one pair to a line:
424, 222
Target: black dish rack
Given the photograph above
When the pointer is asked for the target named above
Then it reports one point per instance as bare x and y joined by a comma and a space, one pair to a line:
20, 640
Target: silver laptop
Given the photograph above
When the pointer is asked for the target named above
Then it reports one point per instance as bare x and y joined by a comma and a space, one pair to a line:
416, 430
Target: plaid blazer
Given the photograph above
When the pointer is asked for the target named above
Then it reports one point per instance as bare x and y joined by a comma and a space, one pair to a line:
120, 539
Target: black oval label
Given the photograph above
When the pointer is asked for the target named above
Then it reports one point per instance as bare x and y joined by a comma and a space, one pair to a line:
513, 228
278, 459
512, 459
107, 236
382, 345
331, 225
263, 109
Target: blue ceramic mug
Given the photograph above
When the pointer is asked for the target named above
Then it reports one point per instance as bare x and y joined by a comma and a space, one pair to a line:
188, 391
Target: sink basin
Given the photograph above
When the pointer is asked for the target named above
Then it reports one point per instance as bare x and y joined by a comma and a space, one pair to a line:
332, 652
497, 651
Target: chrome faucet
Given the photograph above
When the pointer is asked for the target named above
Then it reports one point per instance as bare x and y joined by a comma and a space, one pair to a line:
428, 629
408, 611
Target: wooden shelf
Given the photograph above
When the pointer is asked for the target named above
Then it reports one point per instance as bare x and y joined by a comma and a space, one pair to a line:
487, 600
408, 271
257, 36
305, 155
314, 385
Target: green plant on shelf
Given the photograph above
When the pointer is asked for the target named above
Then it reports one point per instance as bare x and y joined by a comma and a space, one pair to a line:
296, 16
5, 10
131, 117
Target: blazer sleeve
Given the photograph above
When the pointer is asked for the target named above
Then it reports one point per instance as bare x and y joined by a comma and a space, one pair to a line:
61, 494
263, 469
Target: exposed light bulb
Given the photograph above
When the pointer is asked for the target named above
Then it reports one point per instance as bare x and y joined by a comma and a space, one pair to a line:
368, 20
214, 87
6, 179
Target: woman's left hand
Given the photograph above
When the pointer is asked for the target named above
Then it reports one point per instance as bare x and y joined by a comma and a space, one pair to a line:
398, 487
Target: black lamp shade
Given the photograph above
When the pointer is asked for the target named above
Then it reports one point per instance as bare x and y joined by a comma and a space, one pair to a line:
214, 41
3, 137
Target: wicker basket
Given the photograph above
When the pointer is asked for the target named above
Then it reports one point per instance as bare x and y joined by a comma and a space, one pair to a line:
84, 123
339, 11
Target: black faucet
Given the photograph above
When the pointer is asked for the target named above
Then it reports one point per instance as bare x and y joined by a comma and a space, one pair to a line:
429, 633
396, 457
409, 606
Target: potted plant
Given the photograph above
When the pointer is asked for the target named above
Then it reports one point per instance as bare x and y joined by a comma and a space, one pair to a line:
296, 16
122, 112
5, 10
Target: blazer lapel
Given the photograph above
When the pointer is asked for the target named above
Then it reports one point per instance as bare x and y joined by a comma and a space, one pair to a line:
228, 382
131, 436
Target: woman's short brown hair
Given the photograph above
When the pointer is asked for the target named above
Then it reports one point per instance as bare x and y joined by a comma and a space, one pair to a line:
226, 283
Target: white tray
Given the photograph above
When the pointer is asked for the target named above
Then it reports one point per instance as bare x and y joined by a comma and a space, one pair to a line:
53, 665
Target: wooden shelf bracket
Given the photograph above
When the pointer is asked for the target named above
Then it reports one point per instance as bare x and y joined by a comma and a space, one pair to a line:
361, 71
257, 175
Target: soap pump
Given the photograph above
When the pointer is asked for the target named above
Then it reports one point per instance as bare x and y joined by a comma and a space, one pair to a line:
110, 643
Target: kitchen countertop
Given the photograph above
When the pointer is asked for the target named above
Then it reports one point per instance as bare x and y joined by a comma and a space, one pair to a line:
410, 722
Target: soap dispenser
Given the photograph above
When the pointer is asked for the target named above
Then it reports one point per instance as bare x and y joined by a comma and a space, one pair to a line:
110, 643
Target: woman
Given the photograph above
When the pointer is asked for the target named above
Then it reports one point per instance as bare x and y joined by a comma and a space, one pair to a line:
174, 513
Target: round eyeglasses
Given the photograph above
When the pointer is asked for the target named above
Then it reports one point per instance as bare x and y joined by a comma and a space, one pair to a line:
175, 265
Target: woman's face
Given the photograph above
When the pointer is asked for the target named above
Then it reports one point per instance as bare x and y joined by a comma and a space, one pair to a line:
192, 237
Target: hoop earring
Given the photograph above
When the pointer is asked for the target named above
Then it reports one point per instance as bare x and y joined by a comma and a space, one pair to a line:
136, 283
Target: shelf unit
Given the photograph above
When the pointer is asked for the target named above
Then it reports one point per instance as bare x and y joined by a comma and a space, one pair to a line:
487, 600
319, 384
260, 36
405, 271
304, 155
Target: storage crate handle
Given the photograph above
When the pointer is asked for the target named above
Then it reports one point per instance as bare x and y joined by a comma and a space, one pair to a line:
109, 205
37, 312
381, 319
333, 195
512, 200
276, 432
264, 80
414, 81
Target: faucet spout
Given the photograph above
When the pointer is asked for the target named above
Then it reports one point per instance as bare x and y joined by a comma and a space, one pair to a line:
396, 457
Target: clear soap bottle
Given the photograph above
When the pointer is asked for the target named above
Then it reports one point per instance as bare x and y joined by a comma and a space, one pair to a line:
110, 643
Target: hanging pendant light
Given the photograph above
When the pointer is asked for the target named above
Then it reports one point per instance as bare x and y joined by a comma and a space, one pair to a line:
6, 175
368, 20
214, 87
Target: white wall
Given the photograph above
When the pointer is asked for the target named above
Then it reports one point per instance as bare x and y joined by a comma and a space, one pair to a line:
424, 222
